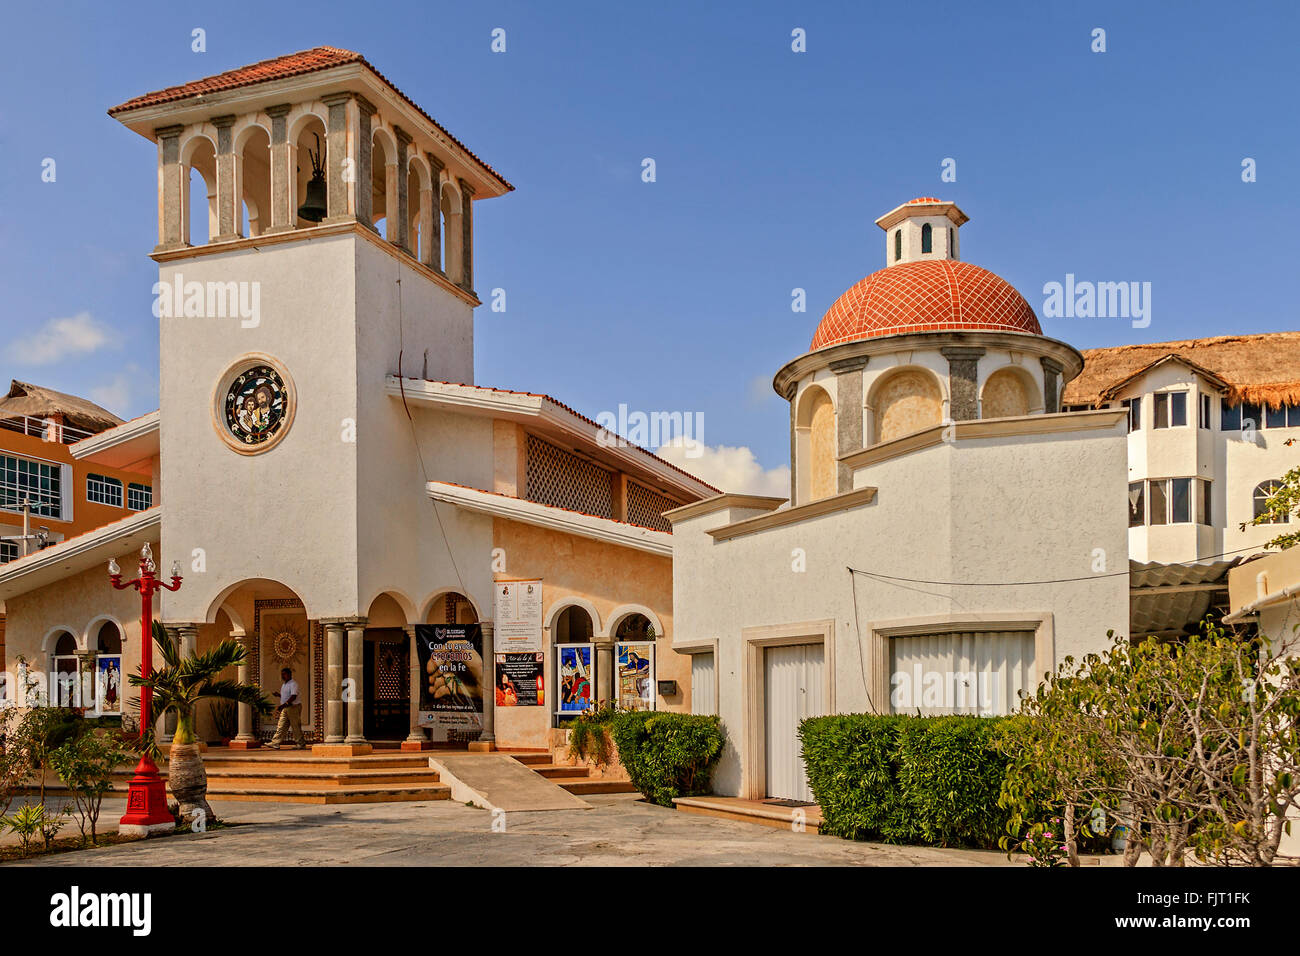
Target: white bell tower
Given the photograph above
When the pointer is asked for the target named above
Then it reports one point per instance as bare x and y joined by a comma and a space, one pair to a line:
282, 452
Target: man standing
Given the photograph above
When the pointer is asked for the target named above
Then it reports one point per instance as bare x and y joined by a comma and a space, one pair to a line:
290, 712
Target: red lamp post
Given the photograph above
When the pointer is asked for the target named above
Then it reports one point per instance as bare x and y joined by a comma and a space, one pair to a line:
146, 799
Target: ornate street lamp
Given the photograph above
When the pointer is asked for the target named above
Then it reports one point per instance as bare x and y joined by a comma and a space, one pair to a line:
146, 799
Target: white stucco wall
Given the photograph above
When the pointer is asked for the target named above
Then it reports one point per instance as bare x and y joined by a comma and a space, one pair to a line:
1013, 509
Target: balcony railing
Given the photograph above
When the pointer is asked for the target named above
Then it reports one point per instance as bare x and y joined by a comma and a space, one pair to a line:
44, 429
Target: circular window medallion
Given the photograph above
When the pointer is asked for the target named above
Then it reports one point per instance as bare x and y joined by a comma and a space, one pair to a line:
254, 405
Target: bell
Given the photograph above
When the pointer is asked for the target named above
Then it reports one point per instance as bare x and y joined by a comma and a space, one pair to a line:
316, 205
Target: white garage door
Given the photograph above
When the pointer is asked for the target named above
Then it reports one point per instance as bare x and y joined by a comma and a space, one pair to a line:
981, 672
794, 688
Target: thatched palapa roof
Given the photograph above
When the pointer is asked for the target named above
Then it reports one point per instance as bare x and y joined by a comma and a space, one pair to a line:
1262, 368
37, 402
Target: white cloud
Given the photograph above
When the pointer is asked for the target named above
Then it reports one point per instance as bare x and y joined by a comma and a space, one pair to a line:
58, 339
114, 395
727, 468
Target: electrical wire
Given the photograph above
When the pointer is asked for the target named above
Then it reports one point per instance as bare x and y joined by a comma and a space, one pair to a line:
1013, 584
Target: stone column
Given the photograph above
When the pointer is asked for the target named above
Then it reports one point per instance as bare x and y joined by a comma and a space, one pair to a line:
171, 189
399, 219
334, 682
229, 200
356, 698
245, 738
1052, 370
605, 670
347, 163
189, 640
488, 739
284, 199
84, 690
848, 415
433, 250
417, 739
963, 382
467, 235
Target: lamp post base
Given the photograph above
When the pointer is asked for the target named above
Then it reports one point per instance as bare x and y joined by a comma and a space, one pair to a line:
146, 803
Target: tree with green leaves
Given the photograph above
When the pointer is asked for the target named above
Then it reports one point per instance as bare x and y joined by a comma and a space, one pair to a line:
85, 764
178, 687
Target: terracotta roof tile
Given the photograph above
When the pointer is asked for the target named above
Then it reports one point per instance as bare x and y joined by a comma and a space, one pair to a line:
278, 68
930, 295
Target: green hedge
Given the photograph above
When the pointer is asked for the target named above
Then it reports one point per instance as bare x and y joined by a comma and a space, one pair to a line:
928, 780
665, 754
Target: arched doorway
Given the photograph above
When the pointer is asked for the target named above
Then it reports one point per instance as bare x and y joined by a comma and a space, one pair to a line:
386, 673
65, 690
108, 678
633, 685
574, 656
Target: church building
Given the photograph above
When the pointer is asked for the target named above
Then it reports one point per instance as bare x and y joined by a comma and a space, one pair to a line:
332, 485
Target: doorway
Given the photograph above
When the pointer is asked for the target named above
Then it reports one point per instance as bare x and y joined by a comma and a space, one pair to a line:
793, 690
387, 687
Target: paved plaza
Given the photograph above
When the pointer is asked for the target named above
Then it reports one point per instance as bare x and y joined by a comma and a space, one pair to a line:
619, 830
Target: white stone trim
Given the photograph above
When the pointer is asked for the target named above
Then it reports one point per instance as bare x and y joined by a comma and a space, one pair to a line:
556, 519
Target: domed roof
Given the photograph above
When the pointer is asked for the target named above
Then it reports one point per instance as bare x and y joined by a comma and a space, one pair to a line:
926, 295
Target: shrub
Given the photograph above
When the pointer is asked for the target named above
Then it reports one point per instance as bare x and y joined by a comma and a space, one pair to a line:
900, 779
951, 771
86, 764
852, 763
668, 755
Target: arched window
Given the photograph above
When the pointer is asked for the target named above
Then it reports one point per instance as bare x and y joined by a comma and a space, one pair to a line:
905, 402
898, 244
1263, 491
927, 238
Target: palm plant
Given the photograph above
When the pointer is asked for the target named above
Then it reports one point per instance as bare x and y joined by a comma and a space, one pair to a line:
178, 686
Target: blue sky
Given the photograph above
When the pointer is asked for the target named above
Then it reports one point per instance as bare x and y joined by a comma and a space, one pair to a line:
771, 168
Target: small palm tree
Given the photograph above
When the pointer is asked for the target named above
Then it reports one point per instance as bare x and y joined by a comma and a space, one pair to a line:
178, 686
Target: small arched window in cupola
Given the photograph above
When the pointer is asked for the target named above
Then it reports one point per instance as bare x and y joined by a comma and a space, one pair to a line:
927, 238
898, 244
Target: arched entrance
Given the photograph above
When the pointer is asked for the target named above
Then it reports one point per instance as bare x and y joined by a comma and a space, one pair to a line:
278, 633
574, 656
387, 684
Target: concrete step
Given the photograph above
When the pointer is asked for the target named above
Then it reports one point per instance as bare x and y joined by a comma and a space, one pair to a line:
530, 758
276, 778
346, 794
584, 787
303, 761
553, 771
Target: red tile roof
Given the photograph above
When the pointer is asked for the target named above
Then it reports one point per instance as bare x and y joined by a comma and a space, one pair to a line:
930, 295
921, 199
278, 68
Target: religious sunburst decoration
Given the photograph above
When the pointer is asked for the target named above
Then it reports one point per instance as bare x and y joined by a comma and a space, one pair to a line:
285, 643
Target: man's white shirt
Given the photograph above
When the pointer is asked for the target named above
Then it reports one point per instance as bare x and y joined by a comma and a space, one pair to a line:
287, 690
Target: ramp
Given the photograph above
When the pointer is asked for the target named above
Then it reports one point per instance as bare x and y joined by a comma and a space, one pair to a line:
500, 782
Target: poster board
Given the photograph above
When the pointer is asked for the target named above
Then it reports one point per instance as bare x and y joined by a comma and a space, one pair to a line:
451, 681
575, 678
108, 684
634, 675
520, 680
518, 621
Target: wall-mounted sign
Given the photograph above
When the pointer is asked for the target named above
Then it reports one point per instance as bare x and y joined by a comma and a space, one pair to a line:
520, 679
518, 609
108, 683
576, 665
634, 674
451, 680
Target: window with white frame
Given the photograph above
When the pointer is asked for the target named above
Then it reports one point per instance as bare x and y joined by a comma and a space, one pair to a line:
1169, 409
1264, 491
8, 551
1160, 501
138, 496
1254, 415
960, 672
39, 482
1205, 411
1134, 406
103, 490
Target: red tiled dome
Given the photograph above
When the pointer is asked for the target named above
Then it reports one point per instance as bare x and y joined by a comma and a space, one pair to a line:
929, 295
